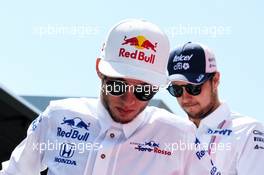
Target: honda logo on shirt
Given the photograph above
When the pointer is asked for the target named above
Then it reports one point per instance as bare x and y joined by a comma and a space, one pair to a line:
67, 150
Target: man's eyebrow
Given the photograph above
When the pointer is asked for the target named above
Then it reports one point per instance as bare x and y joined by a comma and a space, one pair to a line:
113, 78
144, 84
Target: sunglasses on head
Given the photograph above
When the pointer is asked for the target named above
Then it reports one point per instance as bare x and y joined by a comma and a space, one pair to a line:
192, 89
116, 87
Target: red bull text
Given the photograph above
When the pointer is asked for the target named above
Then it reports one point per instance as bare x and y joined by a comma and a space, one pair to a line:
139, 42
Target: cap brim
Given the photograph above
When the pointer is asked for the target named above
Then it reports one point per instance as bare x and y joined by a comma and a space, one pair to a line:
122, 70
190, 78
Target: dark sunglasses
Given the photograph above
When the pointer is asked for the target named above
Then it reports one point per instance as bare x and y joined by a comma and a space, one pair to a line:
177, 90
143, 92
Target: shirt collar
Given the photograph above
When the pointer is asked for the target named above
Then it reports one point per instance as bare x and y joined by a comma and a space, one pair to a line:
216, 117
107, 122
132, 126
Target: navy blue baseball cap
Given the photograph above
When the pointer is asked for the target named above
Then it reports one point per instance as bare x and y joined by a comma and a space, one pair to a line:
192, 63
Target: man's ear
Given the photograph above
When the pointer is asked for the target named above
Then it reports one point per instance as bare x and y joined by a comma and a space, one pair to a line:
100, 75
216, 80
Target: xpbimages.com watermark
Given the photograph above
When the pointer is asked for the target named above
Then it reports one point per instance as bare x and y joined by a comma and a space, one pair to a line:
201, 147
212, 31
56, 145
120, 87
66, 150
63, 30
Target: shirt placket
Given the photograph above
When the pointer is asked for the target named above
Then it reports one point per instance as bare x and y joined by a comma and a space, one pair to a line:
104, 154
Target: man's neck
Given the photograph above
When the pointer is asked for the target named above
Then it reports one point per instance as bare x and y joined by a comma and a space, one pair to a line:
197, 121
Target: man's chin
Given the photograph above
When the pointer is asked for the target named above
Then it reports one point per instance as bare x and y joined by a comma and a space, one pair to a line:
123, 118
189, 111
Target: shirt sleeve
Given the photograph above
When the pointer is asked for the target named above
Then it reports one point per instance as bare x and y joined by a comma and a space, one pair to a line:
252, 154
26, 159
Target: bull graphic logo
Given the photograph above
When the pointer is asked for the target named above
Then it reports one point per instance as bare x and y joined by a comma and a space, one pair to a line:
140, 42
152, 144
148, 146
67, 150
76, 123
133, 41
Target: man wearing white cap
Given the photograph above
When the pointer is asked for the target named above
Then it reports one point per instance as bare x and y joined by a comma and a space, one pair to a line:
116, 134
234, 142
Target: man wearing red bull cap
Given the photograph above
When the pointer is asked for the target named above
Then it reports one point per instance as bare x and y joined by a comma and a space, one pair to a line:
234, 142
116, 134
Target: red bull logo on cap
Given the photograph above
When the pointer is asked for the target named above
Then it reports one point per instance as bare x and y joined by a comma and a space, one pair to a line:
139, 42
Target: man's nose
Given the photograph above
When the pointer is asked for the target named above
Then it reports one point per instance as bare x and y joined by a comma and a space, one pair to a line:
185, 96
129, 98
